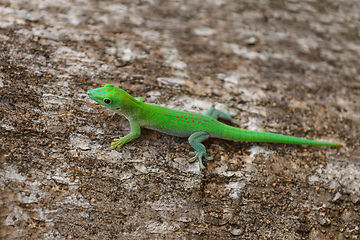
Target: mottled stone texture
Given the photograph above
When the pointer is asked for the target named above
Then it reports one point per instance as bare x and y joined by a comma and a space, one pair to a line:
290, 67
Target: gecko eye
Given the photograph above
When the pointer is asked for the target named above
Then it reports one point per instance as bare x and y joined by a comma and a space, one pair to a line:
107, 101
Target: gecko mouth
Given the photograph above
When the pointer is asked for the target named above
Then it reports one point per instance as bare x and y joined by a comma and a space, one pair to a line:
92, 96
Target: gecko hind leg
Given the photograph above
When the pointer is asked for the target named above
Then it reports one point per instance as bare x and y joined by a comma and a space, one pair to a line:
195, 141
216, 114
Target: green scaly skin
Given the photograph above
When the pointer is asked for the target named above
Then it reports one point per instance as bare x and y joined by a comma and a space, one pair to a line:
196, 127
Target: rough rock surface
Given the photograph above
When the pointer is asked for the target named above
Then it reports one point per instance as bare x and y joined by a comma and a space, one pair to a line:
289, 66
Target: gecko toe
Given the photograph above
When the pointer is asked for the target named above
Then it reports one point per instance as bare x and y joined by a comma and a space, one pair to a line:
209, 157
201, 164
117, 143
193, 159
199, 156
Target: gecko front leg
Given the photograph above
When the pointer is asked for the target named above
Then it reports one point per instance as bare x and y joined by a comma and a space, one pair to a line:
135, 133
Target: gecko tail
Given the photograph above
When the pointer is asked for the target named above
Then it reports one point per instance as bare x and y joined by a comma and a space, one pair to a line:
237, 134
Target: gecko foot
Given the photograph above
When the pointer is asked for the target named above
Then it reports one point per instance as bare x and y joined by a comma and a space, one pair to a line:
232, 114
117, 143
216, 114
199, 155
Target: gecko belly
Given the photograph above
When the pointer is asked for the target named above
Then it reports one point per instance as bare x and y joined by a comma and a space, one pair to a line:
173, 132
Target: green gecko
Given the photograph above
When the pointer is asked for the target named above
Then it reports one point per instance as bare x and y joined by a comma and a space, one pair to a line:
196, 127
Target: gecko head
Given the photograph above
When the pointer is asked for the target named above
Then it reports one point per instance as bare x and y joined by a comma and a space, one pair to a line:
111, 97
